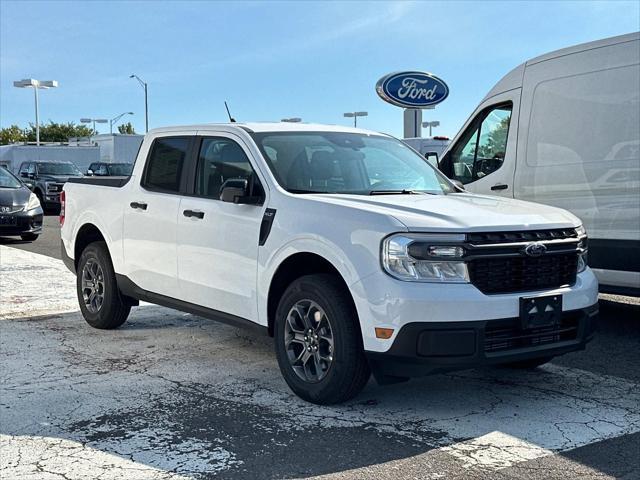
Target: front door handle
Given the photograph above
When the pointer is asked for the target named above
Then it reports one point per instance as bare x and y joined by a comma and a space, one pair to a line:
499, 186
193, 213
138, 205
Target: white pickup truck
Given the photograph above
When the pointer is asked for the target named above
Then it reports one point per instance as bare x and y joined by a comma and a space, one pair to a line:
344, 245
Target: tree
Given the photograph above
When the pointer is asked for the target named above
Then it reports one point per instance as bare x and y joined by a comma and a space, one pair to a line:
126, 128
58, 132
12, 134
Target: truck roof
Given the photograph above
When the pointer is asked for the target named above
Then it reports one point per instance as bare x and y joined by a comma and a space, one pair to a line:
259, 127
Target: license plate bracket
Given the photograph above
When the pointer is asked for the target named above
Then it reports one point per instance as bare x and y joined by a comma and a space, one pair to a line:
536, 312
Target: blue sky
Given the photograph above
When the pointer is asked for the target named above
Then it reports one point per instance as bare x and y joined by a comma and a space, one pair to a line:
272, 60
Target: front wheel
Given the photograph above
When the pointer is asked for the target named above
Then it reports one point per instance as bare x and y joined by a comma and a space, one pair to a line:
318, 341
100, 299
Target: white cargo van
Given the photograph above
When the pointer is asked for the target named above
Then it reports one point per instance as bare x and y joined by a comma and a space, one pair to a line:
429, 147
564, 129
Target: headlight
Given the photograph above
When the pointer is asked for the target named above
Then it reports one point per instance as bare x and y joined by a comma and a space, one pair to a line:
425, 258
33, 202
582, 245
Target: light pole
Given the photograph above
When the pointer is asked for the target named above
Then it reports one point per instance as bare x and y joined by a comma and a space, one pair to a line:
36, 85
431, 125
94, 121
355, 116
292, 120
146, 106
114, 120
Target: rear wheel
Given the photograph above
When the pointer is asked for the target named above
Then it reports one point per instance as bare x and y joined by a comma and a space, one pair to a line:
529, 364
29, 237
101, 302
318, 341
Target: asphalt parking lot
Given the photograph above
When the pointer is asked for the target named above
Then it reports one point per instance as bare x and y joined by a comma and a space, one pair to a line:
171, 395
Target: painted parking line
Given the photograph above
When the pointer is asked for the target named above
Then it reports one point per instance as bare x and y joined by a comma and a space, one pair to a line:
138, 391
32, 284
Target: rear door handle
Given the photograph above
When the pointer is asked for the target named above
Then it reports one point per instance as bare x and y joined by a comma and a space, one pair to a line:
193, 213
138, 205
500, 186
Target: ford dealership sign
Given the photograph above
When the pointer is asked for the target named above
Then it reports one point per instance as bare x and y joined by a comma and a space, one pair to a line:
412, 89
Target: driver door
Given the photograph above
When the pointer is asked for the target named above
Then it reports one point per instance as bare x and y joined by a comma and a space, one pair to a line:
483, 157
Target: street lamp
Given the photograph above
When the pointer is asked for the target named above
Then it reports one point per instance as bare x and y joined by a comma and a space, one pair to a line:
114, 120
355, 116
431, 125
292, 120
36, 85
146, 106
94, 121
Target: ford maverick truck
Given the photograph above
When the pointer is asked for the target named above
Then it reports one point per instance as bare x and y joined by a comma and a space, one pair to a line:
344, 245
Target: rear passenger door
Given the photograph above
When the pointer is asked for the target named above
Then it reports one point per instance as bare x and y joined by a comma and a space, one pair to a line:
151, 213
218, 241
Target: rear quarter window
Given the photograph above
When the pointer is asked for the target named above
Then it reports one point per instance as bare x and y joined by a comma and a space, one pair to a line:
165, 163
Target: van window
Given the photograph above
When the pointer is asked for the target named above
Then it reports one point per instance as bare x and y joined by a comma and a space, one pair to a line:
221, 159
164, 166
482, 147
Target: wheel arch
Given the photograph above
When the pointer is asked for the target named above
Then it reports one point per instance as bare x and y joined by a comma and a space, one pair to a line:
293, 267
87, 233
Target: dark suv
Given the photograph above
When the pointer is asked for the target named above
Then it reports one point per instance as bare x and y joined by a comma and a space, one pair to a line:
46, 180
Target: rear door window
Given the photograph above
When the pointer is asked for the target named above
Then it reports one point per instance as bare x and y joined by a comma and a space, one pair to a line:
165, 164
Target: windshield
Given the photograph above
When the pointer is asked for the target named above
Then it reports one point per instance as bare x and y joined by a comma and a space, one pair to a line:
120, 169
51, 168
337, 162
7, 180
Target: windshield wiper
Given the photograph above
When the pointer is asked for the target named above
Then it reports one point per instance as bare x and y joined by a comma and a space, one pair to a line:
404, 191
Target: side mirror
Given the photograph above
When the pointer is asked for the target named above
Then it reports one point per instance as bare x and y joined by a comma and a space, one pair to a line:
236, 190
459, 185
89, 172
31, 175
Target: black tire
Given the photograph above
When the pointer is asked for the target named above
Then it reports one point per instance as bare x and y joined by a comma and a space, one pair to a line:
29, 237
529, 364
348, 371
113, 310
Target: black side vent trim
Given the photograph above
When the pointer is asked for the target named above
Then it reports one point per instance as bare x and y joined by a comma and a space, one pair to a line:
265, 226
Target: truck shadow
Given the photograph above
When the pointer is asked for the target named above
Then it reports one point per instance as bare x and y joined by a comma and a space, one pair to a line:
186, 395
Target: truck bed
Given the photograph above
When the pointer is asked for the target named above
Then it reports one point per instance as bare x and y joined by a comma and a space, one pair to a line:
102, 181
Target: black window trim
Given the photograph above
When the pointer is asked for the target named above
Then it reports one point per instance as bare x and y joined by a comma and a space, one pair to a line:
188, 161
476, 124
190, 190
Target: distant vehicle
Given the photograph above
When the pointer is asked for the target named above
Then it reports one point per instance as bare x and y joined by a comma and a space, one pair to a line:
345, 245
430, 148
46, 180
564, 129
20, 210
105, 169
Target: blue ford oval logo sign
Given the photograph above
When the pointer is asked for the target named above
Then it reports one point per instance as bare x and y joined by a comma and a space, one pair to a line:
412, 89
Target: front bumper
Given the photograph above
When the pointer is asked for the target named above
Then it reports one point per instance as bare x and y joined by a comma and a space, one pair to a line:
423, 348
25, 222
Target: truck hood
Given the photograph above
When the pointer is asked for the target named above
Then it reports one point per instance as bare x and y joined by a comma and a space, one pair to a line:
461, 212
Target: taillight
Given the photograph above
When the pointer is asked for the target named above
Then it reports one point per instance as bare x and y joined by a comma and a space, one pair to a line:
63, 197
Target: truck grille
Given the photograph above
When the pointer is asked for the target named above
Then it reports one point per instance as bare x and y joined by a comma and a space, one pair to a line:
508, 335
520, 274
498, 262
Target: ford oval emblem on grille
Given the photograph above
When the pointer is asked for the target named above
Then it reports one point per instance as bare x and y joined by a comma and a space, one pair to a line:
535, 249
